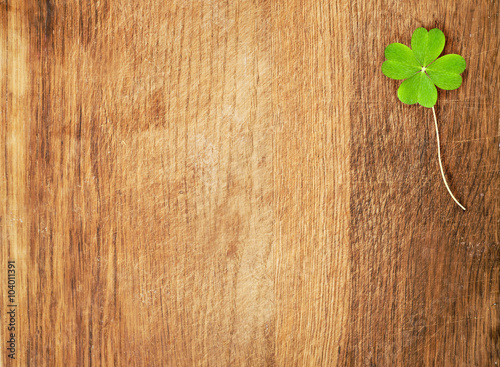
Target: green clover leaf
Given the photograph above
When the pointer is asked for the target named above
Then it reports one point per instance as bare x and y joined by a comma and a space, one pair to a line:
419, 68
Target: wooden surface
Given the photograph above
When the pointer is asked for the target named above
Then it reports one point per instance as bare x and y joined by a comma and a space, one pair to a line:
234, 183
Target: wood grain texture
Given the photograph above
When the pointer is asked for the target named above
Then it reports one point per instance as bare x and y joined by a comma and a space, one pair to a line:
214, 183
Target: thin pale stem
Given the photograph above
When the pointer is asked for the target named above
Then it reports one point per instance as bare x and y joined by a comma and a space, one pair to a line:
440, 164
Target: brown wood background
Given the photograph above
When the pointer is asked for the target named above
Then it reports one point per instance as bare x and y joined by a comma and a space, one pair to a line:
235, 183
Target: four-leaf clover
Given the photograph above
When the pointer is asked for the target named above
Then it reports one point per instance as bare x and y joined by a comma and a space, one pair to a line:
419, 68
422, 71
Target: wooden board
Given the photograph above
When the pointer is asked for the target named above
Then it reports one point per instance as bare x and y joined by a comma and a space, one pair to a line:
235, 183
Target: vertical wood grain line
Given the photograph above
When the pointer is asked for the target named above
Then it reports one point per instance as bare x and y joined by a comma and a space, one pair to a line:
14, 220
311, 173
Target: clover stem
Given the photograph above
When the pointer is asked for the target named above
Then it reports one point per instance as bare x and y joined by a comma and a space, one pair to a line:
440, 164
